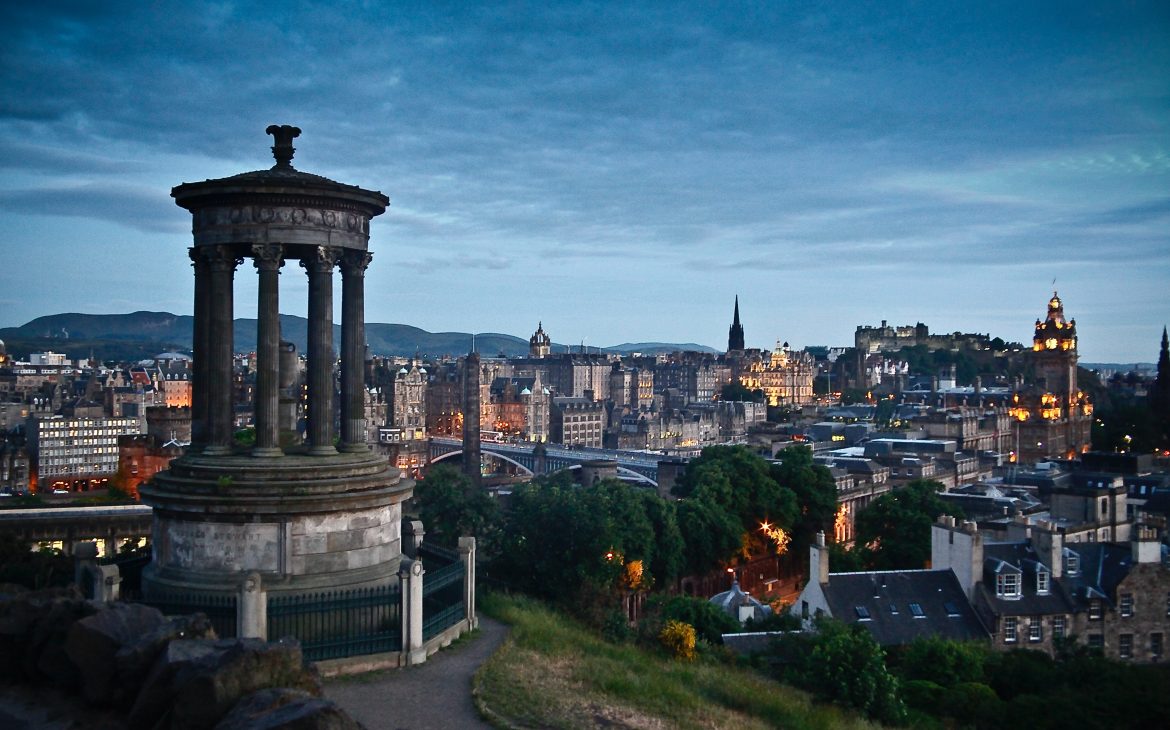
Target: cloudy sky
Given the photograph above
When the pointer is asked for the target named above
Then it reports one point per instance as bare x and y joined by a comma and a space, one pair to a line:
619, 171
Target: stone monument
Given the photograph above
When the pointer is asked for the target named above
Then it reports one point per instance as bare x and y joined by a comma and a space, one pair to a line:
304, 517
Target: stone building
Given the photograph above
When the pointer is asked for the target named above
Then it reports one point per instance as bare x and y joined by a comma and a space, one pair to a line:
577, 422
735, 341
1038, 589
76, 452
540, 344
785, 376
408, 396
1052, 415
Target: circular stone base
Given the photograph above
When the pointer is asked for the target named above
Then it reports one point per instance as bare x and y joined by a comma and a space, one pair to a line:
305, 523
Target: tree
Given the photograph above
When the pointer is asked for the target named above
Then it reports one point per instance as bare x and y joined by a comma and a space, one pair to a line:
562, 540
815, 491
894, 529
712, 535
729, 489
740, 392
846, 666
451, 506
944, 662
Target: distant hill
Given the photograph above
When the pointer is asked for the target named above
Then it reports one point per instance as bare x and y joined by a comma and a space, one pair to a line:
144, 334
1121, 367
655, 348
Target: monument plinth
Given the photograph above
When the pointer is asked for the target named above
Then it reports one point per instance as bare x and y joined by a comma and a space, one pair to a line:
314, 516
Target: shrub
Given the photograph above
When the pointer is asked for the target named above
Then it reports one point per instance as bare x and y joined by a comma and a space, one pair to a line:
922, 694
679, 639
709, 621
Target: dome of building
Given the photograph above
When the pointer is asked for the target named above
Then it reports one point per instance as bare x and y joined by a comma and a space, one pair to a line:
740, 605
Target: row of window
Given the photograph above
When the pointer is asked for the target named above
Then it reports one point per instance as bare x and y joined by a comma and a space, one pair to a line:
1126, 643
1035, 626
1009, 585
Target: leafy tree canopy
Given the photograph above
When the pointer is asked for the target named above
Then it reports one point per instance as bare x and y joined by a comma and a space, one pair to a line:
451, 506
894, 529
562, 538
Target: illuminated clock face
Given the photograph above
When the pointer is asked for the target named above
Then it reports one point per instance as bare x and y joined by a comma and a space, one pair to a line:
1050, 343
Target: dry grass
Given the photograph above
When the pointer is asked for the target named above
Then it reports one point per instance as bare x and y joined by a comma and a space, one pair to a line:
552, 673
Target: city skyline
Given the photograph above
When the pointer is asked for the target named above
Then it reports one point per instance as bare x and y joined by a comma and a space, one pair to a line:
618, 173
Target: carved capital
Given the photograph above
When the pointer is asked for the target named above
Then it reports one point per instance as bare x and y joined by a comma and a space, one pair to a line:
198, 260
355, 262
321, 260
221, 258
268, 257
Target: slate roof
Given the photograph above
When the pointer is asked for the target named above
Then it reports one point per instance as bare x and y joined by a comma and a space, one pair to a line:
1022, 558
1102, 567
883, 603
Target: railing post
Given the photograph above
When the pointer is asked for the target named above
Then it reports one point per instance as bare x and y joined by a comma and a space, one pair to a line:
467, 556
252, 608
412, 538
410, 575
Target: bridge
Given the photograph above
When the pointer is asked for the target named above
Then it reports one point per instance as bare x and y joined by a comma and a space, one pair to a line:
69, 525
634, 466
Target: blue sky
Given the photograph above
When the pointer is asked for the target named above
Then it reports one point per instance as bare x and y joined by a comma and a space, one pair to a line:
618, 171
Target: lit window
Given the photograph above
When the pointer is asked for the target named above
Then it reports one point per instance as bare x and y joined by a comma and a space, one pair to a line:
1007, 585
1126, 604
1042, 582
1125, 646
1010, 625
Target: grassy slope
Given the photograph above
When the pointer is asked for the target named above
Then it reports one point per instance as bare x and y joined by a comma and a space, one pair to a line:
553, 673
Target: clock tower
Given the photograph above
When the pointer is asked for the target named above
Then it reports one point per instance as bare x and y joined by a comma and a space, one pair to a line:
1054, 348
1051, 415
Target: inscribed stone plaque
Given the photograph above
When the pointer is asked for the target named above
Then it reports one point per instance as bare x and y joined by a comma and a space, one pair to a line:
222, 547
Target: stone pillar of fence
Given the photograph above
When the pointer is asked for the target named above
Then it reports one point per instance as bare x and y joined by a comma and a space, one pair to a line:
410, 573
99, 582
412, 537
467, 556
252, 608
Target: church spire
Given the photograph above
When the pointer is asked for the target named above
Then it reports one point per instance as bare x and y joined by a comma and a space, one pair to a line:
735, 333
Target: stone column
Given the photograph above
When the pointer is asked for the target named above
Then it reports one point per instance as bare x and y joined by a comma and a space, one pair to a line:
471, 447
410, 577
353, 350
320, 265
252, 608
412, 538
222, 262
467, 556
199, 346
268, 260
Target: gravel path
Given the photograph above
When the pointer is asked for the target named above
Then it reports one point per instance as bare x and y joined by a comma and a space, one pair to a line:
433, 696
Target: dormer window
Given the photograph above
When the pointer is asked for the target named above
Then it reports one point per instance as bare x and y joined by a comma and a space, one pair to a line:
1042, 582
1072, 563
1007, 585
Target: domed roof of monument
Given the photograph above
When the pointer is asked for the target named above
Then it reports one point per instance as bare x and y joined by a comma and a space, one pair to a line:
280, 178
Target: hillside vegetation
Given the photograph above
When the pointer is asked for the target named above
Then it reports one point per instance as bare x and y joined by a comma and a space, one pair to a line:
553, 672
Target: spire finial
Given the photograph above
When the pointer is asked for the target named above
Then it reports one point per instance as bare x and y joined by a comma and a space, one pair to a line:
282, 147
